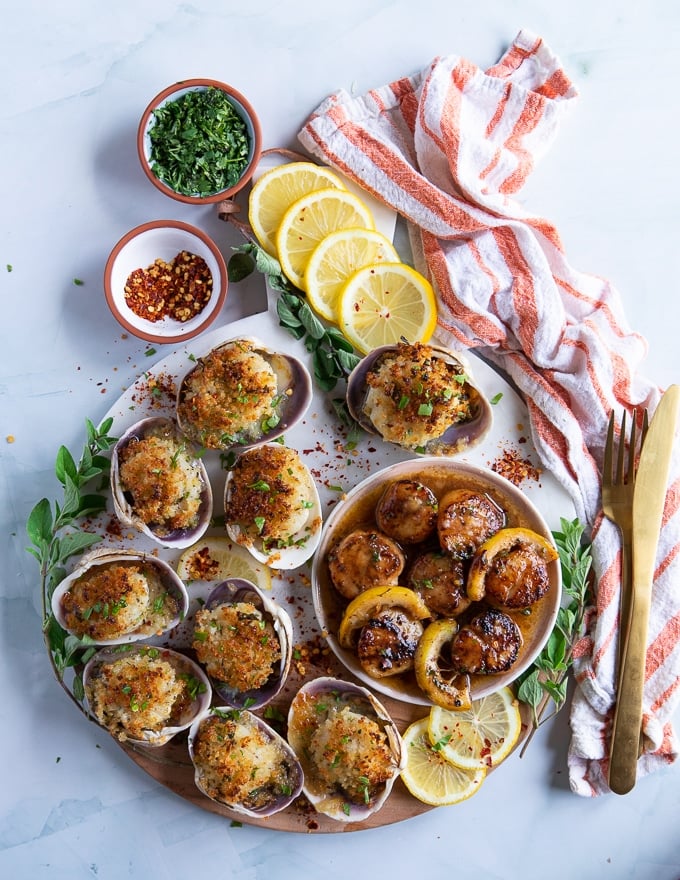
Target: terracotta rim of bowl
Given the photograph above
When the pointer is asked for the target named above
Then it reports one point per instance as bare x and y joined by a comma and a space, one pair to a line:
221, 292
257, 140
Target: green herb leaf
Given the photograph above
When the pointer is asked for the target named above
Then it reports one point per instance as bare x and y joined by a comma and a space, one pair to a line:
546, 680
240, 266
51, 546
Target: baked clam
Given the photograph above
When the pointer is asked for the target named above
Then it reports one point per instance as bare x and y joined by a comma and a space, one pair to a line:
243, 763
420, 397
272, 506
145, 695
117, 596
241, 394
244, 640
349, 748
159, 485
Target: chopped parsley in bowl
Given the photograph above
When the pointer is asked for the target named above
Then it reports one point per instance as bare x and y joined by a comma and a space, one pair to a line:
199, 141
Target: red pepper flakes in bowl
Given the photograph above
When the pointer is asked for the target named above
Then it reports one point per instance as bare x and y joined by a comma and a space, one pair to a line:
179, 289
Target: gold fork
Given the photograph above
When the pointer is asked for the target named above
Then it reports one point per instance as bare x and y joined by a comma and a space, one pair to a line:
618, 484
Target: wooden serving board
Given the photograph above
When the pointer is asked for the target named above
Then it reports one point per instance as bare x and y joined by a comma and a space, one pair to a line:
321, 441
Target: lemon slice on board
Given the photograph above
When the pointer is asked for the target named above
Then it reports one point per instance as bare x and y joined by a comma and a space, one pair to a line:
383, 303
309, 220
276, 190
216, 559
429, 776
335, 258
481, 736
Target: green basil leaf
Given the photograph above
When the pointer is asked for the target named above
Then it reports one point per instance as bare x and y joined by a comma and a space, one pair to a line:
39, 524
311, 323
240, 266
65, 467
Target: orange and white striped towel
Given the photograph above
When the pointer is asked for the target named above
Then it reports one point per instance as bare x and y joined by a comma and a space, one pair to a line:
449, 148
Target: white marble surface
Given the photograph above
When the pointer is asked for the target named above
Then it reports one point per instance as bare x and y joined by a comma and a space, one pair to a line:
76, 76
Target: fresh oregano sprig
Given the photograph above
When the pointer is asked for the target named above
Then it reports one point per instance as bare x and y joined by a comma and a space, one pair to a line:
546, 680
56, 536
333, 356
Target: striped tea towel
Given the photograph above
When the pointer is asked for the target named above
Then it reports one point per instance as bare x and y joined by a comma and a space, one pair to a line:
449, 148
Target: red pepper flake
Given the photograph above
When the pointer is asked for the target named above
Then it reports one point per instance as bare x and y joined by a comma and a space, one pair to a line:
178, 290
515, 468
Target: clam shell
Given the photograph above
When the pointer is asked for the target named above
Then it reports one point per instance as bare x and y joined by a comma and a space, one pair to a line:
123, 502
326, 798
170, 582
279, 800
239, 590
294, 386
457, 437
197, 708
302, 544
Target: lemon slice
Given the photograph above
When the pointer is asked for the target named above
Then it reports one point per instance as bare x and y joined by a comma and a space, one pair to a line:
450, 690
429, 776
372, 601
309, 220
215, 559
275, 192
335, 258
481, 736
383, 303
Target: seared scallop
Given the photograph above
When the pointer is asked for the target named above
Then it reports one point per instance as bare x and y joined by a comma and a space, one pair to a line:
387, 643
407, 511
440, 580
518, 579
364, 558
488, 644
466, 519
511, 569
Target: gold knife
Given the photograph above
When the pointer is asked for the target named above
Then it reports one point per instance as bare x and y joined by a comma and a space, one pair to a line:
651, 482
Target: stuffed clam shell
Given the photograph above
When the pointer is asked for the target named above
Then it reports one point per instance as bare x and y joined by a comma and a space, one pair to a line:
145, 695
272, 506
117, 596
420, 397
243, 763
244, 640
241, 394
349, 748
159, 485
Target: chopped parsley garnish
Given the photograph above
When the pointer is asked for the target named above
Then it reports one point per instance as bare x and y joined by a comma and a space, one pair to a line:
199, 142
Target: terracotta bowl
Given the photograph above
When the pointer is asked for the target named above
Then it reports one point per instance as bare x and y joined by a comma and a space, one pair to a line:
138, 250
243, 109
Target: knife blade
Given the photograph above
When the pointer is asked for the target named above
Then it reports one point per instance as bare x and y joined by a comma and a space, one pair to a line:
649, 495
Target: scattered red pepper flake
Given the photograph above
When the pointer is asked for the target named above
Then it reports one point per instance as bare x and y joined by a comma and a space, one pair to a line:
511, 465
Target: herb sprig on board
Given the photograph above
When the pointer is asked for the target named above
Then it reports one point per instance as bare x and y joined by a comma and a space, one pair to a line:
56, 536
546, 680
333, 356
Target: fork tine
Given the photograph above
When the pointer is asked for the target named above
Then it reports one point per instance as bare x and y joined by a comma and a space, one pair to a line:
645, 426
630, 475
620, 458
608, 451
